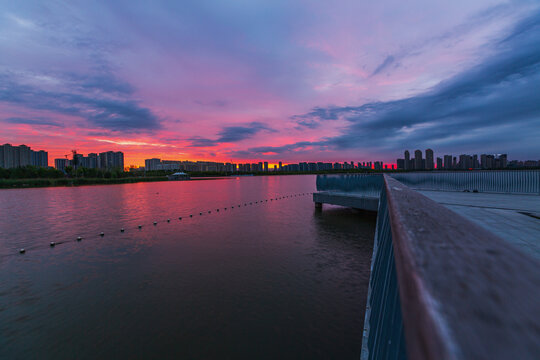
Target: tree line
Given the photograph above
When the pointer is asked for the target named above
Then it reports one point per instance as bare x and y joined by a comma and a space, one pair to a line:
33, 172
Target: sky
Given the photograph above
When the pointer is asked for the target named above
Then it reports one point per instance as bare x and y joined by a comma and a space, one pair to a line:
250, 80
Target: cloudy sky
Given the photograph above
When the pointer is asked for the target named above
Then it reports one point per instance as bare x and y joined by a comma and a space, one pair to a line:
271, 80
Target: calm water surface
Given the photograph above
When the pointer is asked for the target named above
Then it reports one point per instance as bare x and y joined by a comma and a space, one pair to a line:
270, 280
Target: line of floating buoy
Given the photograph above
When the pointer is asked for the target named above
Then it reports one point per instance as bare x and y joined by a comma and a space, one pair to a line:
102, 234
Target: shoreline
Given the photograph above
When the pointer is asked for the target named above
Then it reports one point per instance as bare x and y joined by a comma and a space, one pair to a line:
68, 182
6, 184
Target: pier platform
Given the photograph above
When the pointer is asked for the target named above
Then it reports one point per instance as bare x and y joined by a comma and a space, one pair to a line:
353, 200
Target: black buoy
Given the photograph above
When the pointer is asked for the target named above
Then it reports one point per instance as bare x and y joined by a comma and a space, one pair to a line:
155, 222
209, 211
217, 209
200, 213
122, 230
140, 226
79, 238
168, 220
22, 251
190, 215
102, 234
52, 243
180, 218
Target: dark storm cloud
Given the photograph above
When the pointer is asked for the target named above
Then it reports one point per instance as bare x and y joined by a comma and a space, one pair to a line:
497, 99
237, 133
231, 134
389, 60
102, 108
33, 121
313, 118
105, 83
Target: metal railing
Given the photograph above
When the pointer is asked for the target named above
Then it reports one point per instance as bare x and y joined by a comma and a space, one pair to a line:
383, 324
438, 291
502, 181
365, 184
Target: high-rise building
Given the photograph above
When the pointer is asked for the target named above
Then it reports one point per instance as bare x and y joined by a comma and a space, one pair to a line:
151, 164
407, 162
266, 166
439, 163
60, 164
40, 158
92, 161
429, 159
22, 155
8, 157
418, 163
280, 166
504, 160
111, 160
465, 162
448, 162
25, 155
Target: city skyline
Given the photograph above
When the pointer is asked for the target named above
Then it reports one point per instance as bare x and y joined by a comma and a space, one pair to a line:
12, 156
271, 81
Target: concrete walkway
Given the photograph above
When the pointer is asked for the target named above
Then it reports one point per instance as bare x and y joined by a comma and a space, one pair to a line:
514, 218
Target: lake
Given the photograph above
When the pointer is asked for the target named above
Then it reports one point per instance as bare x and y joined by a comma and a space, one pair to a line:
265, 280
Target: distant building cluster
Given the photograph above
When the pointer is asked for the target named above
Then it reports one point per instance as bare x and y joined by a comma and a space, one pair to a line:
202, 166
106, 160
463, 162
22, 155
321, 166
262, 166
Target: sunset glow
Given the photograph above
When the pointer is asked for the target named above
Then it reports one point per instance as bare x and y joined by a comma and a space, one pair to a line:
270, 81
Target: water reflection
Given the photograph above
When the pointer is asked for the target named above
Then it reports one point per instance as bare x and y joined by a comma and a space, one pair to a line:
271, 279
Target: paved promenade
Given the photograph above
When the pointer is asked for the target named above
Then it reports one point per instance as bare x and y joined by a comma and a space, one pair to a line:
514, 218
